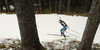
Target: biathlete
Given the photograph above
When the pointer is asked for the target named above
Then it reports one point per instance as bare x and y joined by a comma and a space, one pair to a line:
64, 27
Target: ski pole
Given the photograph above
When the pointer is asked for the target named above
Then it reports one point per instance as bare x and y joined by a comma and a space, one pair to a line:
72, 34
74, 31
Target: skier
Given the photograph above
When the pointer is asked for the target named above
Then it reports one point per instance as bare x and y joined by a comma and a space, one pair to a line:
64, 27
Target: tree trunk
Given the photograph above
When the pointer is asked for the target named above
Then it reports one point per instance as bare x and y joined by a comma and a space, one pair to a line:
27, 24
60, 6
91, 26
40, 6
88, 5
7, 6
1, 6
50, 5
69, 6
55, 6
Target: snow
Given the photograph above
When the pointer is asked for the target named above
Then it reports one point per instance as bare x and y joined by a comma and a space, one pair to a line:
49, 24
9, 26
46, 24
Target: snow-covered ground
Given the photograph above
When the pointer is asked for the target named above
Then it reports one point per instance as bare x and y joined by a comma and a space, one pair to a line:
46, 24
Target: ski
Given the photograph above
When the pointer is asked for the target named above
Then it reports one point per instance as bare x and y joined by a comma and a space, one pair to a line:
57, 35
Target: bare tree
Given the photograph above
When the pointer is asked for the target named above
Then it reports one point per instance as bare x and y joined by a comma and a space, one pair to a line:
7, 6
60, 6
88, 5
1, 6
27, 24
40, 6
69, 6
55, 6
50, 5
91, 26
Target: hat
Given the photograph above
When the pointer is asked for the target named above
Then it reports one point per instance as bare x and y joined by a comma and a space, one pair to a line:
60, 20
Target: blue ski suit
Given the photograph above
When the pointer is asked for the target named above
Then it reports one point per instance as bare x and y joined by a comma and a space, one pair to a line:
64, 27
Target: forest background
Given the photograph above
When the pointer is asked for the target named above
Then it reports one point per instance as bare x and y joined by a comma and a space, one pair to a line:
81, 7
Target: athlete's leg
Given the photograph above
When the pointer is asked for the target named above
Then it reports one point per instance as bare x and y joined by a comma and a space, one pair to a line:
62, 31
